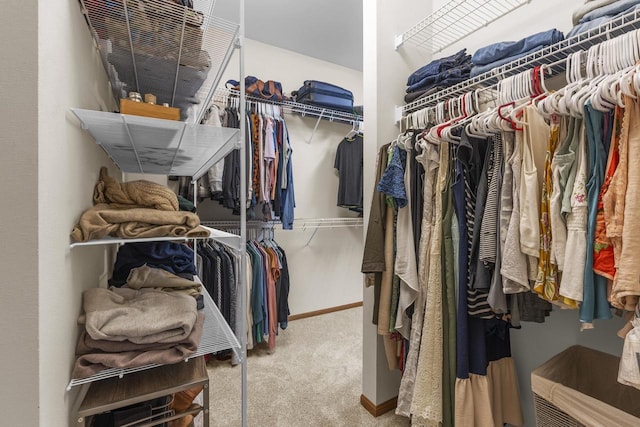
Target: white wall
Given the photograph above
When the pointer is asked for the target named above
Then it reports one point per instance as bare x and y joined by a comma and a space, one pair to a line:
70, 75
385, 74
19, 368
325, 271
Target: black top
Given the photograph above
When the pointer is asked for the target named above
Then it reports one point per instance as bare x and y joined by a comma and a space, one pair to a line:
349, 165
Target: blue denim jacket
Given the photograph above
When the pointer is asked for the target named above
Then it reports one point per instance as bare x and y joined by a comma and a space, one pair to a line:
438, 66
497, 51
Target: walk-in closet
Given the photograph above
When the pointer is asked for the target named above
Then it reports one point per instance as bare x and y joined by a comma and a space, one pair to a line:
339, 213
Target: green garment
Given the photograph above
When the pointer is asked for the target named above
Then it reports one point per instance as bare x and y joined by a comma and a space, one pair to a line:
186, 204
448, 301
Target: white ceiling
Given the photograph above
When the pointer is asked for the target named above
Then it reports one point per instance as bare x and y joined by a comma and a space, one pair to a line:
330, 30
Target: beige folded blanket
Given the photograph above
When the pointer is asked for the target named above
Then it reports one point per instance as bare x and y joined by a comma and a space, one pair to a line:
134, 194
157, 278
101, 355
101, 221
143, 316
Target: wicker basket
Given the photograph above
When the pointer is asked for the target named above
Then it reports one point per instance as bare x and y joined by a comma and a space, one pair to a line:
579, 388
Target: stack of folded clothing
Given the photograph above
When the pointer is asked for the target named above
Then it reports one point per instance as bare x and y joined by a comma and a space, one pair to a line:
597, 12
127, 328
437, 75
497, 54
172, 257
135, 209
151, 317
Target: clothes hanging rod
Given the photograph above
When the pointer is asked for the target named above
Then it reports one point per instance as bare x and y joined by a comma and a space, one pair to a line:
299, 223
236, 224
553, 57
292, 107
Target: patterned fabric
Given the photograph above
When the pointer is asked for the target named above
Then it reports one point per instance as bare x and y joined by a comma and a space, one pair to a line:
475, 189
489, 228
392, 181
603, 260
426, 406
547, 285
255, 137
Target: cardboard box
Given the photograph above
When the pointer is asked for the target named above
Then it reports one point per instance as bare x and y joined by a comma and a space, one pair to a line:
148, 110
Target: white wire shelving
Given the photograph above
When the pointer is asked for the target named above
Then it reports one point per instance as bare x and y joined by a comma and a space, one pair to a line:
553, 57
291, 107
216, 336
454, 21
160, 47
165, 147
178, 54
228, 239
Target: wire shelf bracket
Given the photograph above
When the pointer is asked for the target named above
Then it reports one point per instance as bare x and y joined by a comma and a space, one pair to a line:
454, 21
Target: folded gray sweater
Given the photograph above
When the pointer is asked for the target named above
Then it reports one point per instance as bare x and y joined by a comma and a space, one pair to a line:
95, 356
140, 316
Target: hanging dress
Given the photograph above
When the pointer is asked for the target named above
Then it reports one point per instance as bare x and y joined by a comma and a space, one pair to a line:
626, 287
448, 308
595, 304
406, 267
571, 285
514, 262
429, 158
547, 285
426, 407
560, 168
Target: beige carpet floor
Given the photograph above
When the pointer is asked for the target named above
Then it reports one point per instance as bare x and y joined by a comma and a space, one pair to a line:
313, 378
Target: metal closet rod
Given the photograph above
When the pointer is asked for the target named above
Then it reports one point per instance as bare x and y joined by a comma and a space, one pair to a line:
553, 57
299, 223
222, 94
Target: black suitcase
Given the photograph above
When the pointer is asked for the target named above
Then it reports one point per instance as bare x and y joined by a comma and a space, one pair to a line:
325, 95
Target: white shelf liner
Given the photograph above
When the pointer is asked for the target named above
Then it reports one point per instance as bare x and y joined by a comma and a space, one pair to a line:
164, 147
220, 236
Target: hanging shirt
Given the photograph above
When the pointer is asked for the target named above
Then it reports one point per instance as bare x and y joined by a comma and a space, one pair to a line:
349, 164
626, 288
561, 166
594, 302
513, 267
571, 285
603, 259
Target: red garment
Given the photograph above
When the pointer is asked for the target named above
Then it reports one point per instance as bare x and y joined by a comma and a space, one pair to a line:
603, 259
272, 303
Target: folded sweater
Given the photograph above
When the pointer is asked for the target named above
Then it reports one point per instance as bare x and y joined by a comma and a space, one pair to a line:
134, 194
140, 316
97, 355
102, 220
